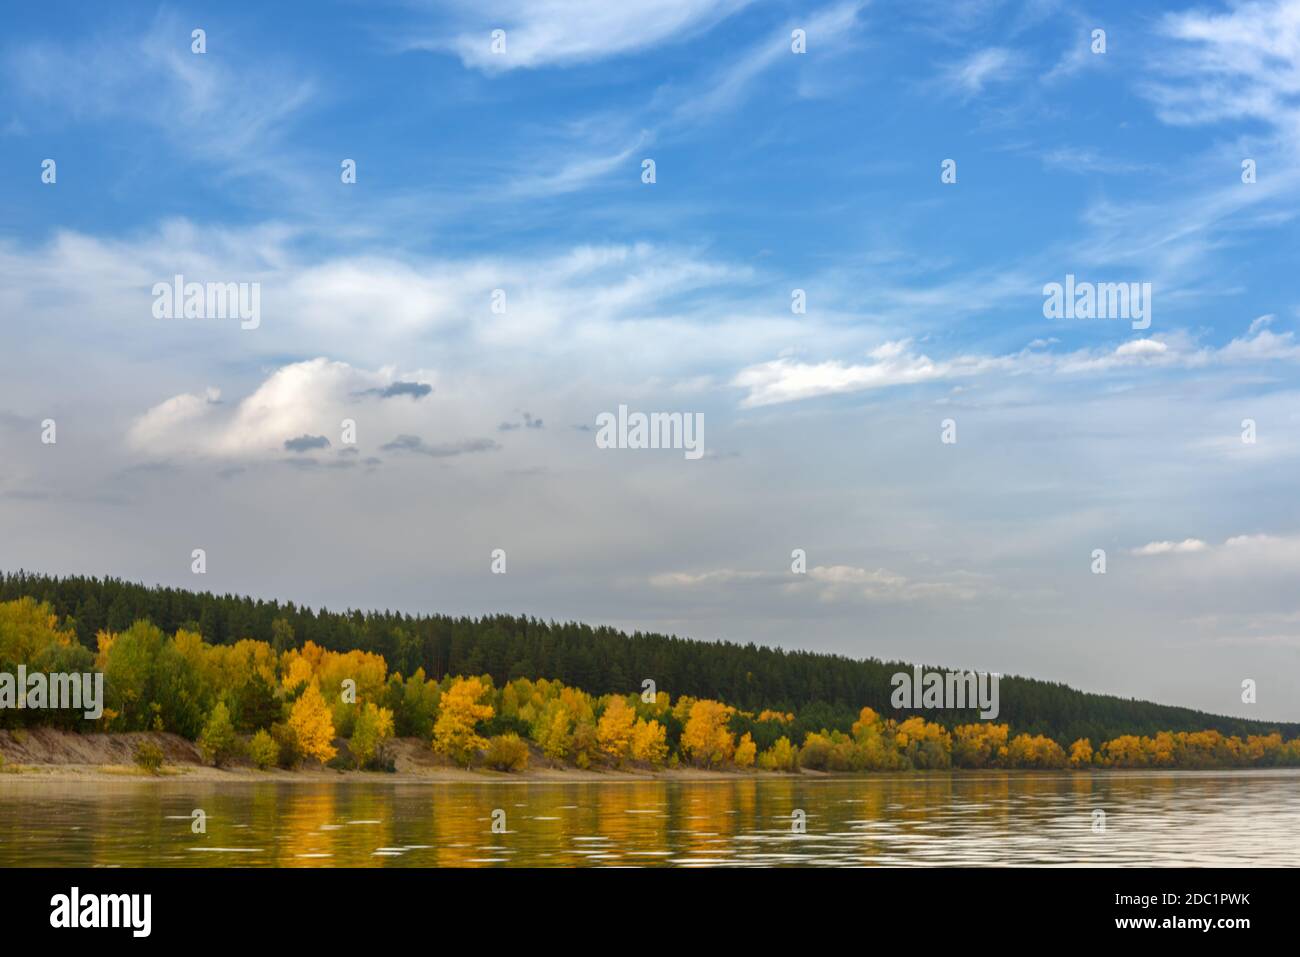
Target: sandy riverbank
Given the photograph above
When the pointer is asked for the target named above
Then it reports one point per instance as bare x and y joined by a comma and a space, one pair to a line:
46, 753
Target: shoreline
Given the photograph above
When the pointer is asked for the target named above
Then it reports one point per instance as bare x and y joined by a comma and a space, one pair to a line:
101, 774
122, 773
53, 755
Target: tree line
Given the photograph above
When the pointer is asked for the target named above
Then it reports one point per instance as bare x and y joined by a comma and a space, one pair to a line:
821, 691
308, 704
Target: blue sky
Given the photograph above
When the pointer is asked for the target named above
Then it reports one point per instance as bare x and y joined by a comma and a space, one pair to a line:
775, 171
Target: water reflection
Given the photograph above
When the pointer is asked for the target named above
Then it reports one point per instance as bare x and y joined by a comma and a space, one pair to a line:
1170, 818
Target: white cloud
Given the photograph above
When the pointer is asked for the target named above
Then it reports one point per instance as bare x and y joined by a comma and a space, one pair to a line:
786, 380
838, 582
721, 576
1260, 554
1086, 159
990, 65
567, 32
301, 399
1260, 322
566, 175
894, 364
1244, 63
608, 143
1171, 548
206, 107
372, 306
827, 583
828, 30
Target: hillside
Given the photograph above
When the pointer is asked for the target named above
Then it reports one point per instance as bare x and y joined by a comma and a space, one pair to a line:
822, 690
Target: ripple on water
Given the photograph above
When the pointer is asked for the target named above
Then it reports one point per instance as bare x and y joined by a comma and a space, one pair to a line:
923, 820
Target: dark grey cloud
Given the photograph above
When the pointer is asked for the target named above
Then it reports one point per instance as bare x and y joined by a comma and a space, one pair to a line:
413, 443
160, 466
416, 390
308, 464
305, 443
27, 495
302, 465
528, 422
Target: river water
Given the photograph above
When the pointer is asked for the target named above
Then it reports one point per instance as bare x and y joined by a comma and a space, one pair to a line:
1237, 818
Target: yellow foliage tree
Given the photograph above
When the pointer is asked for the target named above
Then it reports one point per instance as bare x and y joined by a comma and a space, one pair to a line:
868, 723
650, 742
507, 752
614, 731
28, 626
746, 749
1126, 751
553, 731
705, 738
297, 672
980, 745
461, 709
104, 647
367, 671
374, 726
312, 726
1081, 754
781, 756
923, 743
1035, 751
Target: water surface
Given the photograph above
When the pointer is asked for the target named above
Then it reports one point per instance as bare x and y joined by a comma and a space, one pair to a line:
1238, 818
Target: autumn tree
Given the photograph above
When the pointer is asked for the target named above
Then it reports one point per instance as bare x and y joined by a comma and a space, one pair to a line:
1125, 751
506, 752
981, 744
820, 691
312, 726
781, 756
361, 674
30, 635
816, 751
924, 744
705, 738
218, 742
1081, 754
874, 745
614, 731
263, 751
151, 685
1035, 751
281, 635
585, 743
455, 733
371, 731
745, 751
414, 703
649, 744
553, 731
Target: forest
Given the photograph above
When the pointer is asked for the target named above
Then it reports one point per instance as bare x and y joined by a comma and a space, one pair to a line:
281, 683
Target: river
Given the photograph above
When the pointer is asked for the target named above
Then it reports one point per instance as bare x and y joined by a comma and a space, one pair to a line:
962, 818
